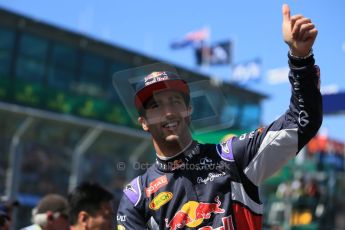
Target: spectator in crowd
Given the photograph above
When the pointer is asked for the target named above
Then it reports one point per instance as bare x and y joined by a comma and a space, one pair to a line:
284, 190
312, 189
6, 209
50, 214
297, 187
4, 221
91, 208
313, 194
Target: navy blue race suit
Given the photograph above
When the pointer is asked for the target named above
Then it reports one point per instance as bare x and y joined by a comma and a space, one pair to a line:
215, 186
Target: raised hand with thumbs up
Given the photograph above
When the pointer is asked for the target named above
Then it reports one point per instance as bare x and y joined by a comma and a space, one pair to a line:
298, 32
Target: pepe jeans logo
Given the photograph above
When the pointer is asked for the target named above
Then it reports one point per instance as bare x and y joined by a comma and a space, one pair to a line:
160, 200
156, 185
209, 178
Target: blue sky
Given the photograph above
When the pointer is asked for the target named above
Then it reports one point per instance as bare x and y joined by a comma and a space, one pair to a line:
149, 27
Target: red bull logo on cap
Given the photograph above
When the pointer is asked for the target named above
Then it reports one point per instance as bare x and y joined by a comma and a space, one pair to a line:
193, 213
155, 77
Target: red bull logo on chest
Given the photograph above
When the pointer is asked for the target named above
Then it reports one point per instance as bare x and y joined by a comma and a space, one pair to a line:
193, 213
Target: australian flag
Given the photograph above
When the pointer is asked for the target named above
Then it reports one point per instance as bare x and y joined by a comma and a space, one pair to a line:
191, 38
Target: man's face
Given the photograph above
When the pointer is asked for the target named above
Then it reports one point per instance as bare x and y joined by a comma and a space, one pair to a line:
167, 117
60, 223
103, 220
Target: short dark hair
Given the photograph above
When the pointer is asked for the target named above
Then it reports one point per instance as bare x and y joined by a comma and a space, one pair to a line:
142, 109
86, 197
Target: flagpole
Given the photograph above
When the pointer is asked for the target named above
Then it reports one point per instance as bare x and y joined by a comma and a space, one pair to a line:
231, 52
205, 49
232, 47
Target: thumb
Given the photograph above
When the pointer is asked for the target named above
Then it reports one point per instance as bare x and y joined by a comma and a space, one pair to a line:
286, 13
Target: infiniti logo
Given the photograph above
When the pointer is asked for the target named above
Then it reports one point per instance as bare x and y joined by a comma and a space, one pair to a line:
303, 118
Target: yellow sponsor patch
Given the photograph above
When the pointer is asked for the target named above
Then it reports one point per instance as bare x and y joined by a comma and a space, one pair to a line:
160, 200
120, 227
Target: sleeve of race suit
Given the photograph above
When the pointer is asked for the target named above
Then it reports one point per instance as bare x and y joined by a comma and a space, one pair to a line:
260, 153
129, 215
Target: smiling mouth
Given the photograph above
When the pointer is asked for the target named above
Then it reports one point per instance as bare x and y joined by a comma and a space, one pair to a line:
170, 124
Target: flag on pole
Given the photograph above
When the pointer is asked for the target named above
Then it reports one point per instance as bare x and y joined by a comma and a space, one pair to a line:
191, 38
248, 71
219, 53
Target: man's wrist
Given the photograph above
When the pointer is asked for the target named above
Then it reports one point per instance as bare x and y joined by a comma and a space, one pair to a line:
296, 61
298, 57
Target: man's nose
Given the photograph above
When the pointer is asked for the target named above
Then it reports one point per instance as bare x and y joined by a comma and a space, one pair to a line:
168, 109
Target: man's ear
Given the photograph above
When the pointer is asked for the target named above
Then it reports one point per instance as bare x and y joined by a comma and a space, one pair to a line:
83, 218
189, 114
190, 110
143, 123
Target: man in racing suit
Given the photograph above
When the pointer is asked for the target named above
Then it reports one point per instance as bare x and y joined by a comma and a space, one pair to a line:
215, 186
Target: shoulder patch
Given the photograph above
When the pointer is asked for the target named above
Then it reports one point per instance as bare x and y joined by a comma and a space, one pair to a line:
224, 150
133, 191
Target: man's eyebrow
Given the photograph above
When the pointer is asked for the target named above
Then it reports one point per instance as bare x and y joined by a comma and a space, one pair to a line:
151, 102
178, 96
155, 101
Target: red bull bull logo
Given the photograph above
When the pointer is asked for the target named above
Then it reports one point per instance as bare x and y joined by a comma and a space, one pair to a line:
193, 213
177, 164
